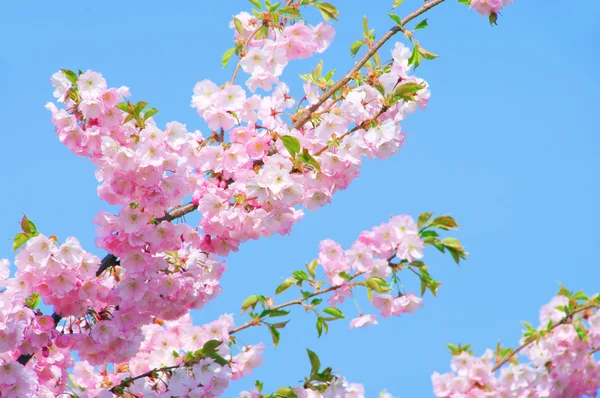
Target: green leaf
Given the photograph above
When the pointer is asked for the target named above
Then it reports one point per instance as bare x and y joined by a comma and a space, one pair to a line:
319, 326
238, 25
149, 113
290, 11
286, 392
465, 2
249, 302
211, 346
426, 54
493, 19
292, 144
256, 3
407, 91
28, 226
227, 56
333, 312
289, 282
128, 118
444, 222
274, 313
33, 301
280, 325
274, 7
356, 46
300, 275
422, 24
345, 276
315, 363
139, 107
415, 57
306, 158
20, 239
311, 267
275, 335
378, 284
70, 75
327, 10
396, 19
423, 218
125, 107
397, 3
452, 242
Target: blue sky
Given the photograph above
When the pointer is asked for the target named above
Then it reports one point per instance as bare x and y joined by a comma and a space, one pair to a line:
508, 146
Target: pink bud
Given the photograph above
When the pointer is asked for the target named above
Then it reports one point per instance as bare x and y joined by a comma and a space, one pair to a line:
45, 352
62, 341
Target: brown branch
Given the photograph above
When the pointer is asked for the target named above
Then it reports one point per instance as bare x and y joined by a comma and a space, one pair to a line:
565, 320
239, 62
292, 302
348, 76
150, 373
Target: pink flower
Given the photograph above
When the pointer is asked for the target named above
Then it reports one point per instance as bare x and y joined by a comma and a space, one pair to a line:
362, 321
91, 85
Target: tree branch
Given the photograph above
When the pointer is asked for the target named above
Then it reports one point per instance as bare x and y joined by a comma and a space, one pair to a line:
293, 302
110, 259
565, 320
348, 76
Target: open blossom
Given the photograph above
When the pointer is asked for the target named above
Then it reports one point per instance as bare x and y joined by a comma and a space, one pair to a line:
91, 85
363, 320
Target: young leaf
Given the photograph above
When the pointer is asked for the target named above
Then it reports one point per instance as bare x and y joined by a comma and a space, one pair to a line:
423, 218
227, 56
300, 275
20, 239
422, 24
238, 25
415, 57
275, 335
286, 392
356, 46
315, 363
311, 267
333, 312
70, 75
149, 113
426, 54
256, 3
33, 301
396, 19
28, 226
397, 3
290, 11
289, 282
292, 144
249, 302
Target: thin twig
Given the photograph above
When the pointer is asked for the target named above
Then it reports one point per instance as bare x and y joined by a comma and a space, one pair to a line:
348, 76
565, 320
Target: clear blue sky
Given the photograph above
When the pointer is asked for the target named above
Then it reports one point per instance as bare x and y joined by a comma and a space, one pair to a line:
508, 145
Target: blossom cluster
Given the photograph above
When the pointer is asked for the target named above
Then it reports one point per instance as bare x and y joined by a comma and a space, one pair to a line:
561, 361
267, 158
371, 257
